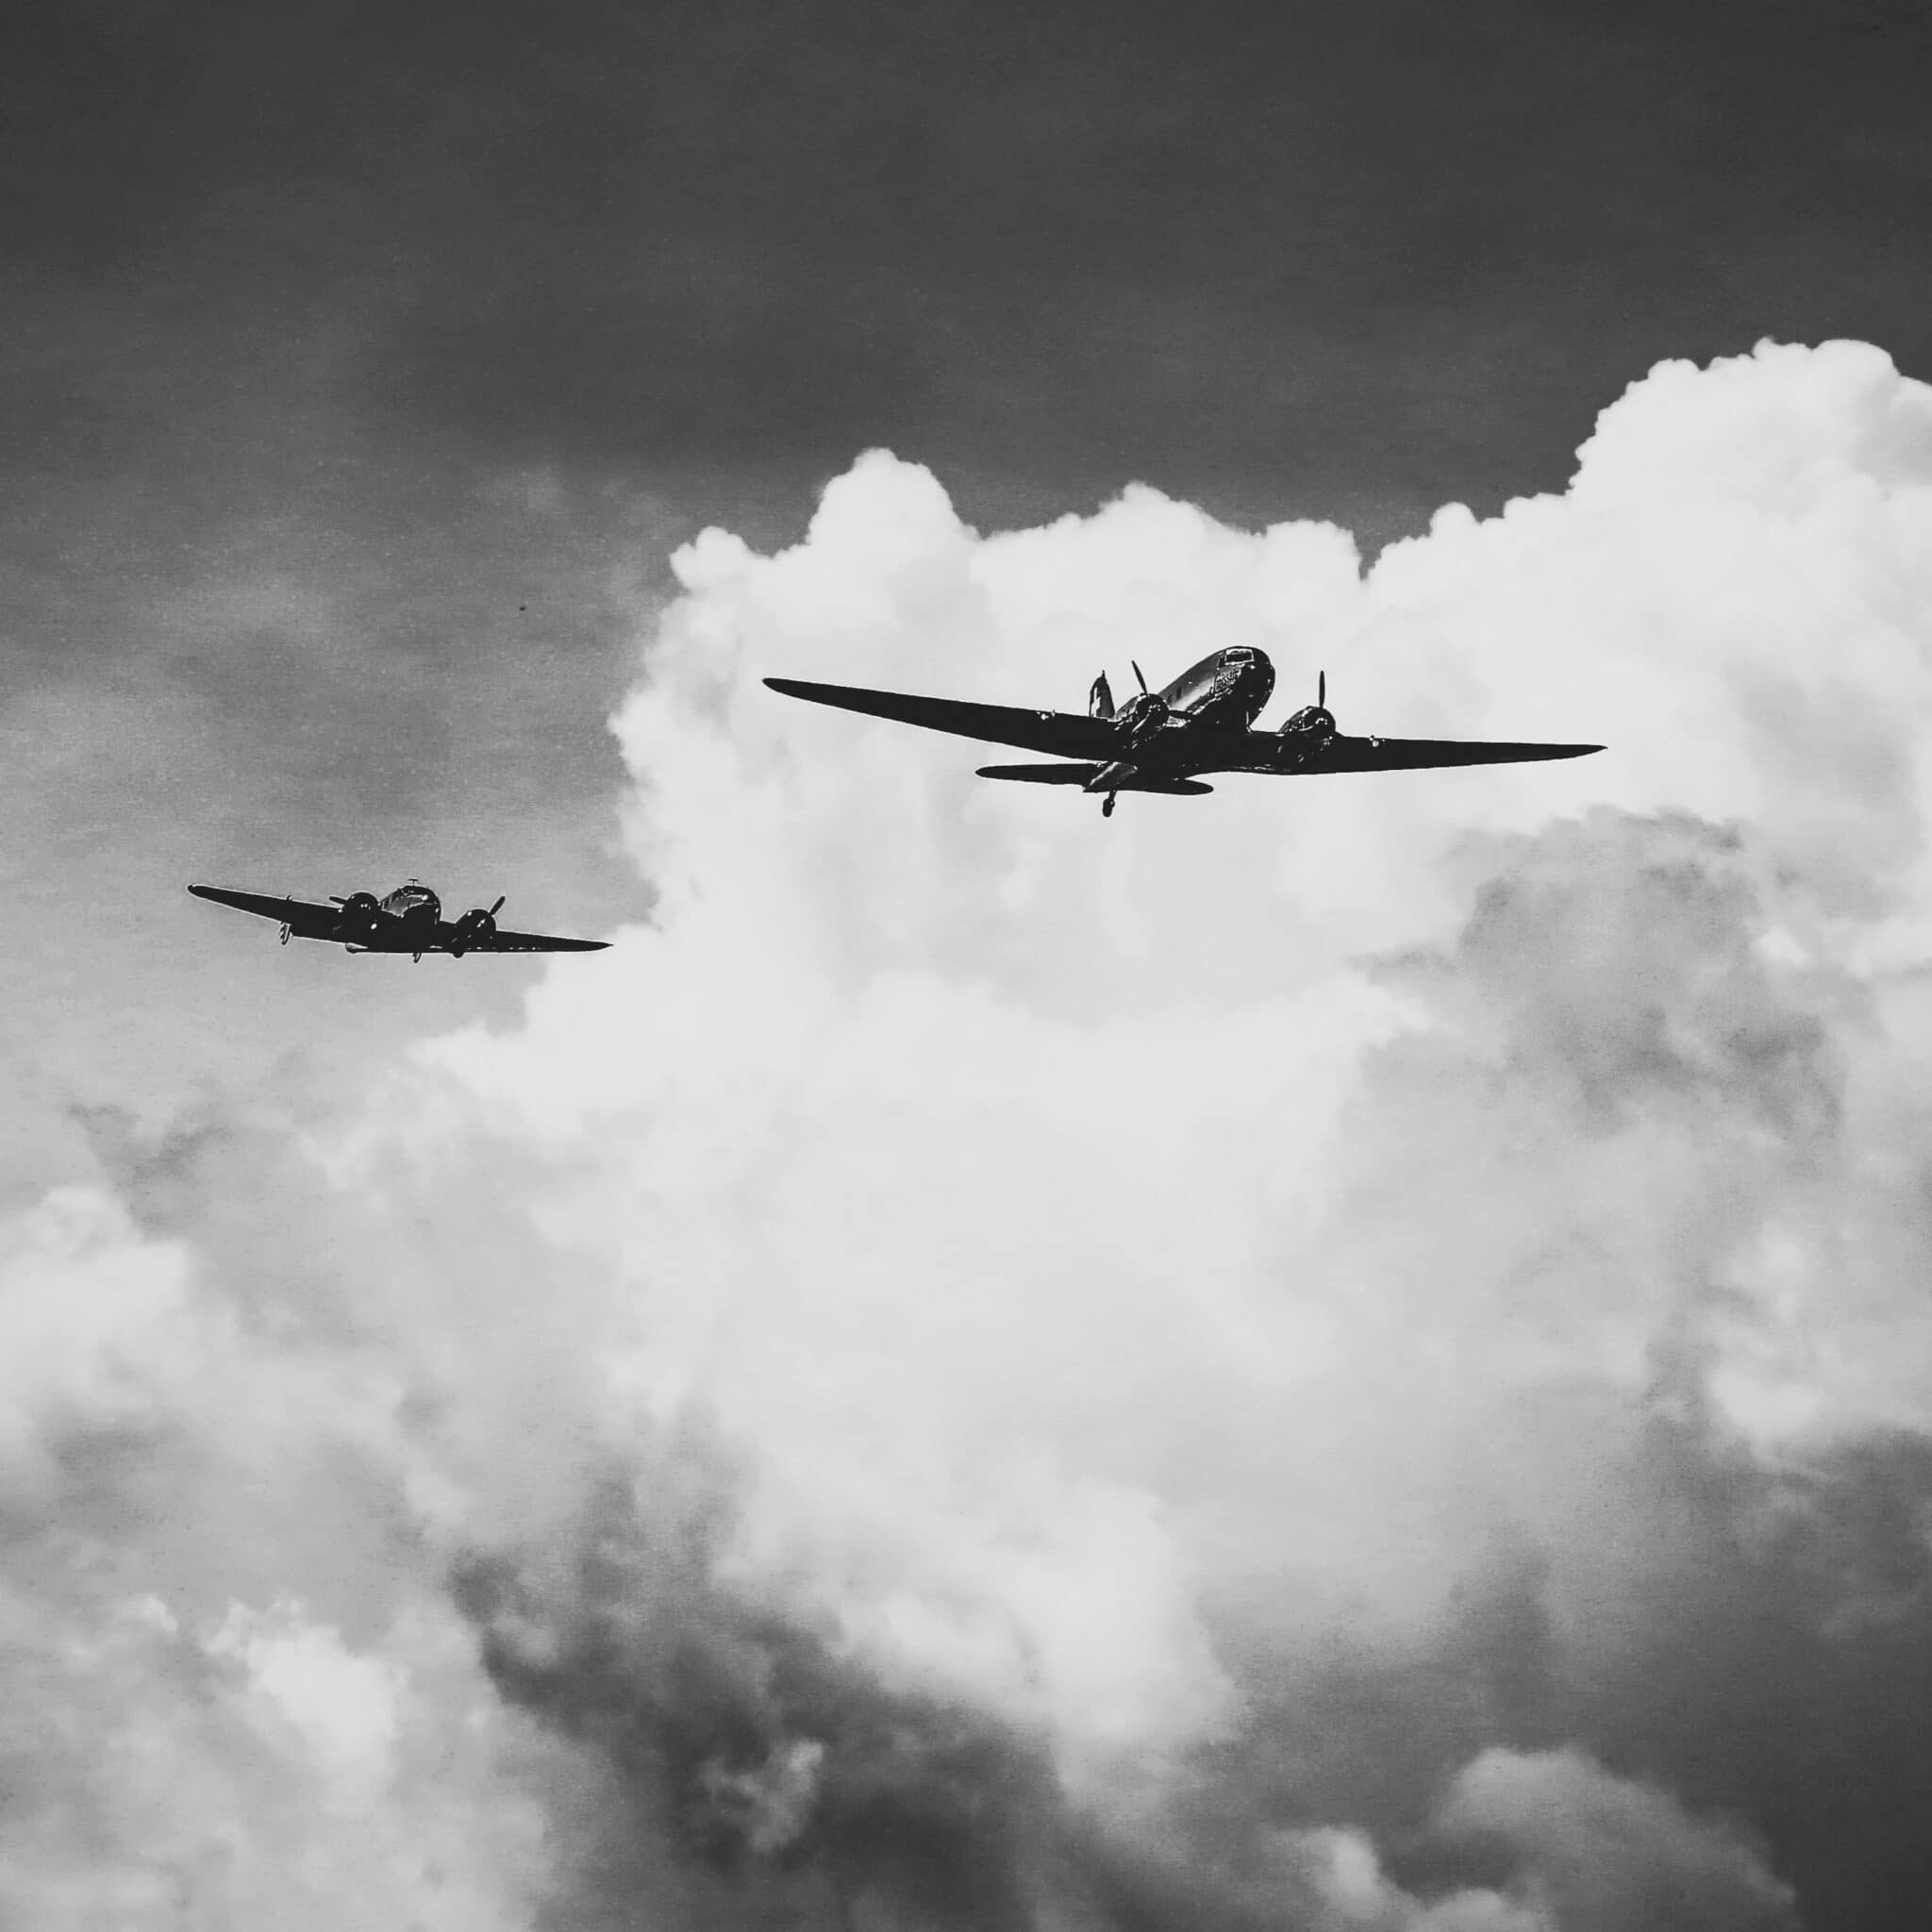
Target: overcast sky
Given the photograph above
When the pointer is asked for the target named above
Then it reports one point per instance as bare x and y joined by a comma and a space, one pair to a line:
1333, 1360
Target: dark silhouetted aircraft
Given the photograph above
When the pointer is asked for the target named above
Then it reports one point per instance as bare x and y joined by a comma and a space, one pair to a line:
409, 921
1164, 741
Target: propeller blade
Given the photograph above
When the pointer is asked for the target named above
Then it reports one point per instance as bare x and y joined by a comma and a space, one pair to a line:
1321, 688
1139, 673
498, 907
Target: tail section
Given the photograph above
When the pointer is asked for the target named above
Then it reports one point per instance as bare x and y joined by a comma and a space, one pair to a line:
1084, 775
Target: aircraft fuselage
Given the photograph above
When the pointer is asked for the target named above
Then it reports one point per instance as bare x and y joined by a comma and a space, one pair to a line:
1201, 721
1225, 692
404, 921
413, 905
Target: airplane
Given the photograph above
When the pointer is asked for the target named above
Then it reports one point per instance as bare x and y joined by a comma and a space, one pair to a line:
1164, 741
409, 920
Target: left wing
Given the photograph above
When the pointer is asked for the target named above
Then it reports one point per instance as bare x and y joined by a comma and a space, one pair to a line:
1341, 754
501, 942
1059, 734
302, 917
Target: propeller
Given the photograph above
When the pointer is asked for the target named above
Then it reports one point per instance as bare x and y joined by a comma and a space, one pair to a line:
1144, 715
1321, 688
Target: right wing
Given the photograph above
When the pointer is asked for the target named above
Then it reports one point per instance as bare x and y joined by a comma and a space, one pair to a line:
302, 917
501, 942
1059, 734
1343, 754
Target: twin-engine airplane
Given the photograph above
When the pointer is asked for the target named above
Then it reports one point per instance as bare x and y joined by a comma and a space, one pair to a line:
1164, 741
409, 921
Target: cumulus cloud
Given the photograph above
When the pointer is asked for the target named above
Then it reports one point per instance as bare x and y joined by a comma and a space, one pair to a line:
1348, 1354
189, 1743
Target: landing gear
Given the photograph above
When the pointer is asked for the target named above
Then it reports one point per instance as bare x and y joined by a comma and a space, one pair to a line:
418, 957
286, 931
1107, 805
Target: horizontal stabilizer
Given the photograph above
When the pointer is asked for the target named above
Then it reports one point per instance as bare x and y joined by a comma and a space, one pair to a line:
1083, 775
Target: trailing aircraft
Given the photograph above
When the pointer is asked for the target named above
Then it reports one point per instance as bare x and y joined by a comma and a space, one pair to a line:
1165, 741
409, 920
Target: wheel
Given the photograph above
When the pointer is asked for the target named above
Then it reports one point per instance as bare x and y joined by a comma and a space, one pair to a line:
1107, 805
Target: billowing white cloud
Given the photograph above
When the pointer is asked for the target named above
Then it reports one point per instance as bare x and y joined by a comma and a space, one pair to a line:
987, 1365
178, 1754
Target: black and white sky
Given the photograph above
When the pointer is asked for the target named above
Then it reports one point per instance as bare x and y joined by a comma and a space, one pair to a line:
1331, 1357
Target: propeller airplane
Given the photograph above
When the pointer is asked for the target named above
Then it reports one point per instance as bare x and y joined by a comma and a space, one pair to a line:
409, 920
1165, 741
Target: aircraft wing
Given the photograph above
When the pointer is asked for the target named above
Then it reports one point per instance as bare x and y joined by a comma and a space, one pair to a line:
301, 916
1059, 734
1341, 754
502, 942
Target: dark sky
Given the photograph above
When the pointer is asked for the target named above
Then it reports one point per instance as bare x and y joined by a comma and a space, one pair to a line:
1288, 258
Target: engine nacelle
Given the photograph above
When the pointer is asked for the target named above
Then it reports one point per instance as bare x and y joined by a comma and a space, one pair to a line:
1145, 716
1316, 720
476, 927
360, 907
472, 929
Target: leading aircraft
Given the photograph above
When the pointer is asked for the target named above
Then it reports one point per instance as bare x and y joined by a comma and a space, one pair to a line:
409, 920
1163, 740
